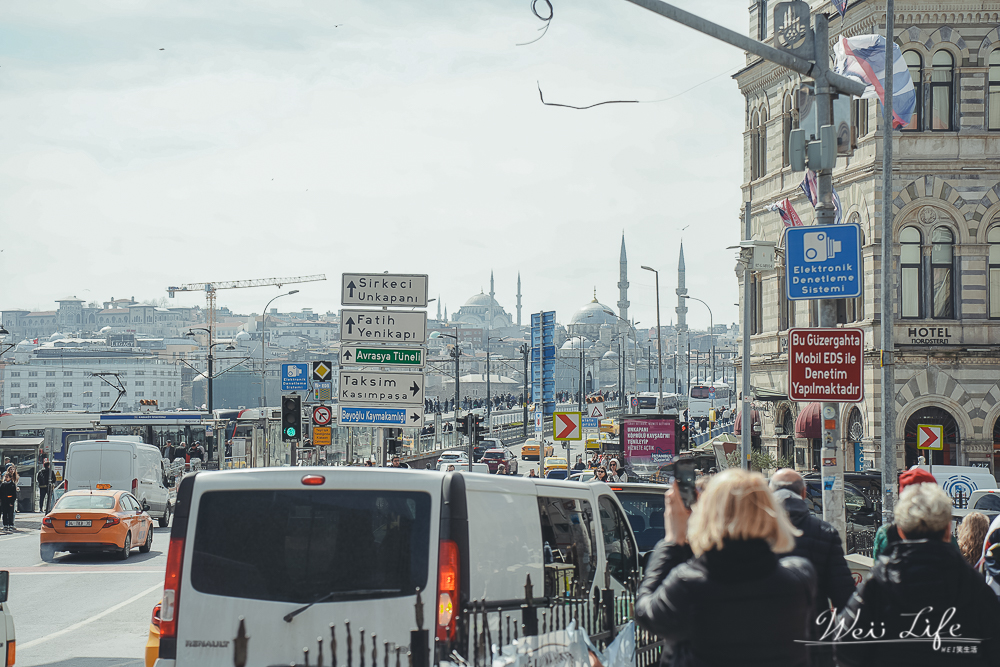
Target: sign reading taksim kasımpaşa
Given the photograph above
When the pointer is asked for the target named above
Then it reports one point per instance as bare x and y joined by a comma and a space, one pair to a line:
380, 388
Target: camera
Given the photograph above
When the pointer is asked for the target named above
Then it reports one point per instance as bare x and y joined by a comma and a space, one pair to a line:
818, 247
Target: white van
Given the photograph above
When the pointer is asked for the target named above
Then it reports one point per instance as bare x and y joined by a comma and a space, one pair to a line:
8, 646
960, 481
278, 555
124, 465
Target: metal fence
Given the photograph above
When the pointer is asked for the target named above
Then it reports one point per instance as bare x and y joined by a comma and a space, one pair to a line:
483, 625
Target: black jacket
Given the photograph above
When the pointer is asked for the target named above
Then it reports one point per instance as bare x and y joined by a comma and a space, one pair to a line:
46, 477
820, 545
737, 606
8, 493
911, 576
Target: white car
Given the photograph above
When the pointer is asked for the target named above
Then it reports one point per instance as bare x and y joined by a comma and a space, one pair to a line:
453, 457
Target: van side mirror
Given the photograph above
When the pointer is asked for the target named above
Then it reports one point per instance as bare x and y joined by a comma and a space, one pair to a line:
4, 582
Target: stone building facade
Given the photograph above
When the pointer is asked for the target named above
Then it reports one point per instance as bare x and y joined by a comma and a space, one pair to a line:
946, 237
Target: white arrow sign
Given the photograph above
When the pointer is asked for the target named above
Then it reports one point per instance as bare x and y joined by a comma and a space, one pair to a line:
383, 326
377, 388
380, 415
383, 289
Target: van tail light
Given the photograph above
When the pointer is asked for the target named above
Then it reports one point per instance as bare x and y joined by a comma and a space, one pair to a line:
447, 597
171, 589
135, 486
47, 521
112, 521
11, 652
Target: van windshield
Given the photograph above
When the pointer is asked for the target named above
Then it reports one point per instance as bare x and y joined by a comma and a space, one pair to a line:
300, 545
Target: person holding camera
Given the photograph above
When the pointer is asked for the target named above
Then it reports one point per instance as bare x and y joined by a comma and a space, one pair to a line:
719, 566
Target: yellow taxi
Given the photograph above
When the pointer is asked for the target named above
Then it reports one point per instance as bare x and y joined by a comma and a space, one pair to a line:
153, 640
97, 520
530, 449
554, 463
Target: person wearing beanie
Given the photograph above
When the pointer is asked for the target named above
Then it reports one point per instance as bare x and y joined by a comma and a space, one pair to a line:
887, 533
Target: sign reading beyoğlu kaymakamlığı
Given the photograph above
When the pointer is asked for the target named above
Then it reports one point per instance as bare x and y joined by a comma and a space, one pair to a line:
826, 365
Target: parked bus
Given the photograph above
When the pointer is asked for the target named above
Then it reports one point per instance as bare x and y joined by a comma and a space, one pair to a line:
647, 400
701, 399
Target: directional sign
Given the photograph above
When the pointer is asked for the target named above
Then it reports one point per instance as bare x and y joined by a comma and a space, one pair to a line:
362, 355
381, 388
322, 436
322, 370
383, 326
826, 365
591, 422
322, 415
295, 377
566, 426
823, 261
372, 415
930, 436
383, 289
595, 410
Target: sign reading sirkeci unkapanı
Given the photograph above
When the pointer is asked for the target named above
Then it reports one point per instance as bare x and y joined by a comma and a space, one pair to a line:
826, 365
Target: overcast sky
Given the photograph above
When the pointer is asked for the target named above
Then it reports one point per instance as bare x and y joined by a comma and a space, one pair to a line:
149, 144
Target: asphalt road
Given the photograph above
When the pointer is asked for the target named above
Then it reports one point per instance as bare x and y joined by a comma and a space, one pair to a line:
576, 448
81, 610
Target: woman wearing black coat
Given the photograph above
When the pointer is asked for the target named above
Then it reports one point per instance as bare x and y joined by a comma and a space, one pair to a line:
8, 496
715, 586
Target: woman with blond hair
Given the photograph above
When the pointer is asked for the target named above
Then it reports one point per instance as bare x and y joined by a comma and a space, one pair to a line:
971, 536
715, 586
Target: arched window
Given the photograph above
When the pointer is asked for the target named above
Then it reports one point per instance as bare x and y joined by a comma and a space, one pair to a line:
786, 128
942, 69
994, 91
993, 238
853, 310
909, 266
754, 158
915, 63
942, 263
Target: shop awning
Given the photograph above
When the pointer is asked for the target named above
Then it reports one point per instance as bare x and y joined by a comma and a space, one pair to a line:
754, 422
809, 423
765, 394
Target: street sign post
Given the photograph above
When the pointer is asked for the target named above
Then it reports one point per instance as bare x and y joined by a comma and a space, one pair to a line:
566, 426
826, 365
383, 326
823, 261
383, 289
370, 387
295, 377
369, 355
379, 415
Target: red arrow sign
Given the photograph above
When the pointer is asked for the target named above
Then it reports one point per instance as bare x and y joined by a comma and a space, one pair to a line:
566, 426
927, 436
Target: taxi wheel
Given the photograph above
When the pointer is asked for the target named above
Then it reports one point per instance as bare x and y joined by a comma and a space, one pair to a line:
123, 554
144, 549
48, 553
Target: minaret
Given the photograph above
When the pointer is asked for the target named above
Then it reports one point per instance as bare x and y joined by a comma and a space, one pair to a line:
439, 307
518, 298
623, 302
681, 310
492, 296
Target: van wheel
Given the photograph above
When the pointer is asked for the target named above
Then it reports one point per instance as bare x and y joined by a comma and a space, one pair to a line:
123, 554
48, 553
164, 520
144, 549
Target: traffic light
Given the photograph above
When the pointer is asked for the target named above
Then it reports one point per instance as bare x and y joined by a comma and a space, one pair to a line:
462, 426
393, 439
478, 428
291, 418
682, 436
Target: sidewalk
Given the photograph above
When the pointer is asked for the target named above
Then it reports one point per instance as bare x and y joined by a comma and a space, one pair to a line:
28, 520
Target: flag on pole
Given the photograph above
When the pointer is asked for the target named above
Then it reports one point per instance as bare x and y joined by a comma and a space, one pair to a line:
787, 213
841, 6
810, 187
863, 58
837, 216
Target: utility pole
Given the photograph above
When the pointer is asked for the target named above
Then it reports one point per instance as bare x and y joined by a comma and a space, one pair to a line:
524, 349
745, 415
888, 427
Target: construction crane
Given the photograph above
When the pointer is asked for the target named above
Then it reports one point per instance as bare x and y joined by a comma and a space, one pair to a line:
211, 288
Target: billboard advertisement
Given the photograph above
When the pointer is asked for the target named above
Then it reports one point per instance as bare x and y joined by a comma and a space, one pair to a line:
648, 442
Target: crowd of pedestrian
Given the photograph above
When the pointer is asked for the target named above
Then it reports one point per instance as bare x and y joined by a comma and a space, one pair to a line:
747, 576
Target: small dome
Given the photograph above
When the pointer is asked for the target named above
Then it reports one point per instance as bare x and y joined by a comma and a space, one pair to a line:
24, 346
574, 344
242, 336
56, 336
610, 355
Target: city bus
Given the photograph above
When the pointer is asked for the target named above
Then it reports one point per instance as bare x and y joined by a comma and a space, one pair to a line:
645, 403
701, 399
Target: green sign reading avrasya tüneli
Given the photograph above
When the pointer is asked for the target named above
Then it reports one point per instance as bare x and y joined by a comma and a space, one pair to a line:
383, 356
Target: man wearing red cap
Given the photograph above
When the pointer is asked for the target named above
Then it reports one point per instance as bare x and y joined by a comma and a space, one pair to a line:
887, 533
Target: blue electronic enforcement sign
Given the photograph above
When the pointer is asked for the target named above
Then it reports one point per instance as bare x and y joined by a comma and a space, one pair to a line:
823, 262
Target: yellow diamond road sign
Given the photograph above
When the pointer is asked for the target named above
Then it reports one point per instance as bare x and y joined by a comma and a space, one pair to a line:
322, 370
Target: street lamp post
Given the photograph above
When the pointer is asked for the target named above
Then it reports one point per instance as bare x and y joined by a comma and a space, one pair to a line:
524, 350
456, 353
711, 325
211, 377
489, 398
263, 361
659, 343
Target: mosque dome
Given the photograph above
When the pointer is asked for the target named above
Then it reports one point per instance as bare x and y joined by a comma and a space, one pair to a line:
242, 336
574, 344
56, 336
482, 300
593, 314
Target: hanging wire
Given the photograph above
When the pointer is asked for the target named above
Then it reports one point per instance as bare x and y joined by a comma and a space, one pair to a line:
547, 20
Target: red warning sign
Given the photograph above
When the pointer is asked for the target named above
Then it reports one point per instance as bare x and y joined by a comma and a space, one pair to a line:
826, 365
